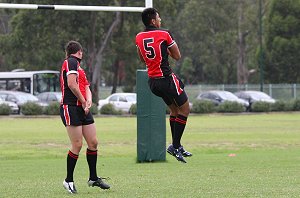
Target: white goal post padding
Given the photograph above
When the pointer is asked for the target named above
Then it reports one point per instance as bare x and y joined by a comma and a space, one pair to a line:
148, 3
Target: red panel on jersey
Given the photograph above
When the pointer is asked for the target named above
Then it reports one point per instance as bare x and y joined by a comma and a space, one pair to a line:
153, 44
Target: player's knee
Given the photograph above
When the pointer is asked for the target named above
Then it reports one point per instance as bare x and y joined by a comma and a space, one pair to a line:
92, 145
186, 112
77, 145
185, 109
173, 112
188, 109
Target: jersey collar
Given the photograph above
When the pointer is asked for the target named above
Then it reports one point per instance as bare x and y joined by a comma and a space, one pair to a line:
78, 59
150, 27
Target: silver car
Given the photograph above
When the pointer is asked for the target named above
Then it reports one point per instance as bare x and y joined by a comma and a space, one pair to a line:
254, 96
14, 109
48, 97
121, 101
218, 97
19, 97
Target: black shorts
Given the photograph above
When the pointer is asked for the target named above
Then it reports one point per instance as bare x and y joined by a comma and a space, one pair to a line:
74, 116
169, 88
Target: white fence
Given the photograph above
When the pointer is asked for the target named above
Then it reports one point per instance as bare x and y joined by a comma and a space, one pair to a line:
276, 91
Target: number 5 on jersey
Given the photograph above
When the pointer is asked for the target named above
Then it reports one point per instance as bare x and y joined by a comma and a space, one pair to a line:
150, 53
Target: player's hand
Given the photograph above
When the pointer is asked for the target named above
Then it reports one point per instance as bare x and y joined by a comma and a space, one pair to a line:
85, 108
89, 104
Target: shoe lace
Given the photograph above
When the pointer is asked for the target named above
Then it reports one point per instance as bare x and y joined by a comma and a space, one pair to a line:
105, 178
177, 152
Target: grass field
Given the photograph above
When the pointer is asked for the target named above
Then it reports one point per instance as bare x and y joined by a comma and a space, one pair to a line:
266, 162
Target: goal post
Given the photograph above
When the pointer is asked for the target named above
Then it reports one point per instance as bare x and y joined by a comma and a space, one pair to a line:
148, 3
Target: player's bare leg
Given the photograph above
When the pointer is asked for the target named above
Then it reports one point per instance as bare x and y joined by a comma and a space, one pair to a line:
75, 135
89, 134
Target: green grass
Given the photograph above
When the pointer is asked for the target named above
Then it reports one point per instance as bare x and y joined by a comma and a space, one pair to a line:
33, 158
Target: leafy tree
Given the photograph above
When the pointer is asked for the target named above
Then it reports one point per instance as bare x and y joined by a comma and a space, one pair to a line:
125, 61
217, 39
187, 70
208, 39
283, 42
210, 33
38, 37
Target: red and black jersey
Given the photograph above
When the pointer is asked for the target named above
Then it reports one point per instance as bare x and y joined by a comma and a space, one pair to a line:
72, 66
153, 44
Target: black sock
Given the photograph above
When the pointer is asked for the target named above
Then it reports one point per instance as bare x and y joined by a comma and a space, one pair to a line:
91, 157
71, 163
172, 125
179, 126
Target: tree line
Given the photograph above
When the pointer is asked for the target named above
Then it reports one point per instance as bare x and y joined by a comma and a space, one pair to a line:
219, 40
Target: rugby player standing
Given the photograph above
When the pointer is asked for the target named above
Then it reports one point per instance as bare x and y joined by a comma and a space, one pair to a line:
74, 111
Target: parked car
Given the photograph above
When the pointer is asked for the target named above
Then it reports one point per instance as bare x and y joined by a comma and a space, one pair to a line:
19, 97
48, 97
121, 101
254, 96
218, 97
13, 106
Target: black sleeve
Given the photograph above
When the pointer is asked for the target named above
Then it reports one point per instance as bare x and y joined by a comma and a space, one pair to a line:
72, 63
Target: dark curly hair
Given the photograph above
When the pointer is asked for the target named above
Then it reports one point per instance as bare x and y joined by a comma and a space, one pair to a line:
72, 47
148, 14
